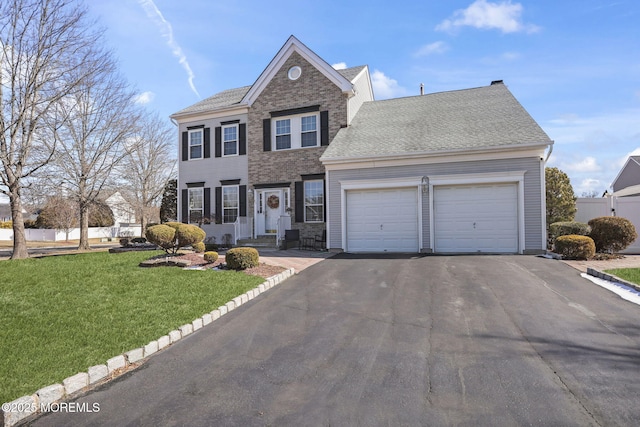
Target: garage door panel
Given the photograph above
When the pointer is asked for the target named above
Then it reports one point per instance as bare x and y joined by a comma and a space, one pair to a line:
476, 218
382, 220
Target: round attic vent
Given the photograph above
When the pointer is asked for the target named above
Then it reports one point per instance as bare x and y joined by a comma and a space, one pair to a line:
294, 73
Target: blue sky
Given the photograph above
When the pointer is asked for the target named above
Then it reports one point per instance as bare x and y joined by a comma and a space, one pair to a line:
573, 64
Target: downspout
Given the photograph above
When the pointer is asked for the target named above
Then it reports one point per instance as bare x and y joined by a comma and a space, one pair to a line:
549, 153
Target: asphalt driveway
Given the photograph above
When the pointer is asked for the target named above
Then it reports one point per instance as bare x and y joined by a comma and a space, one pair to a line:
434, 340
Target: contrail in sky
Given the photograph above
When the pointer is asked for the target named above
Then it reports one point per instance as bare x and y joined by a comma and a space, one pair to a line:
167, 32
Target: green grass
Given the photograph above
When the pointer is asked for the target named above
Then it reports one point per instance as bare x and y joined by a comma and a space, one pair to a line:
60, 315
628, 274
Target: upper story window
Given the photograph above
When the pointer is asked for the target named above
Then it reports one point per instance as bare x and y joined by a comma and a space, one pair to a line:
230, 140
296, 131
195, 144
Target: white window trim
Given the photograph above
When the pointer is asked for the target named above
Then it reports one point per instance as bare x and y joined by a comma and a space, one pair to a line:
237, 187
192, 131
296, 131
304, 201
235, 125
189, 210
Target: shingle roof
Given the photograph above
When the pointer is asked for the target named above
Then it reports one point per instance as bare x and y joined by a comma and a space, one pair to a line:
231, 97
485, 117
226, 98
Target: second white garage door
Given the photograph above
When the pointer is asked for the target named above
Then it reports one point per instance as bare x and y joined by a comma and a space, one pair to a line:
476, 218
384, 220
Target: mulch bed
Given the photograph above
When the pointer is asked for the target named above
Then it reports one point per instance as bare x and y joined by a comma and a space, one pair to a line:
197, 260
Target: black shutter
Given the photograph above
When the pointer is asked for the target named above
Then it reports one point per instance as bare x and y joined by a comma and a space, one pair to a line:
207, 202
299, 212
324, 128
185, 146
207, 143
242, 139
185, 206
218, 141
266, 134
324, 200
219, 203
243, 200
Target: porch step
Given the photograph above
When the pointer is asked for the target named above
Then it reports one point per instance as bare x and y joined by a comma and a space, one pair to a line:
259, 242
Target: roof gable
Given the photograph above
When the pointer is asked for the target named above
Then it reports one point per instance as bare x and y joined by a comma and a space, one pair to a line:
295, 45
629, 175
465, 120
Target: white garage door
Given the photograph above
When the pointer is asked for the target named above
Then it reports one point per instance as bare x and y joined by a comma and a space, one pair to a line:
476, 218
383, 220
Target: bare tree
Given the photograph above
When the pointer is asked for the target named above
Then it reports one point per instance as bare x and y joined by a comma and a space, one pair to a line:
100, 119
42, 44
148, 167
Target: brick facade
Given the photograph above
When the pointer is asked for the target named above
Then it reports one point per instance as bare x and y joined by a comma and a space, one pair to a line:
312, 88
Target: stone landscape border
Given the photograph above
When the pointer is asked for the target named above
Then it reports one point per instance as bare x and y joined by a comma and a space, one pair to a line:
26, 406
611, 278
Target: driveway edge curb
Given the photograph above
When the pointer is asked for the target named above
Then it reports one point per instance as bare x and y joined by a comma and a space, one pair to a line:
27, 407
611, 278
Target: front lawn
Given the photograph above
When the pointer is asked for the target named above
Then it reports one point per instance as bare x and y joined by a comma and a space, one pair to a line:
629, 274
60, 315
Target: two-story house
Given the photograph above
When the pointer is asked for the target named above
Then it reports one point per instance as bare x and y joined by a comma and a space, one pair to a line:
249, 157
307, 147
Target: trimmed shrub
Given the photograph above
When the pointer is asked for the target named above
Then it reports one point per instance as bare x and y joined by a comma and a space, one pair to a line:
210, 247
187, 234
242, 258
558, 229
138, 240
198, 247
612, 233
211, 256
574, 246
163, 236
6, 224
124, 242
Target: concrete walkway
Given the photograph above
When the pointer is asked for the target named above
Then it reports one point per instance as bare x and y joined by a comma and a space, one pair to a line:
293, 258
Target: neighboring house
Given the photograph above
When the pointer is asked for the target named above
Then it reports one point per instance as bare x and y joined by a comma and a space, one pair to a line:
5, 212
306, 147
123, 213
627, 183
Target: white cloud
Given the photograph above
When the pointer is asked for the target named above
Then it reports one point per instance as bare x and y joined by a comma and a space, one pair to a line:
588, 164
503, 16
340, 66
155, 15
385, 87
144, 98
432, 48
589, 186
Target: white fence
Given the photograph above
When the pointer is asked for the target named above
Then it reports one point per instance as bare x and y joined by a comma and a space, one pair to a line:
625, 207
50, 235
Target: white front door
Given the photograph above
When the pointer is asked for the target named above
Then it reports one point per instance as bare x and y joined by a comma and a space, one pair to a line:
273, 208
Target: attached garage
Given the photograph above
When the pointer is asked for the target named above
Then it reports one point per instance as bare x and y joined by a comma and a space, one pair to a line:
382, 220
476, 218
